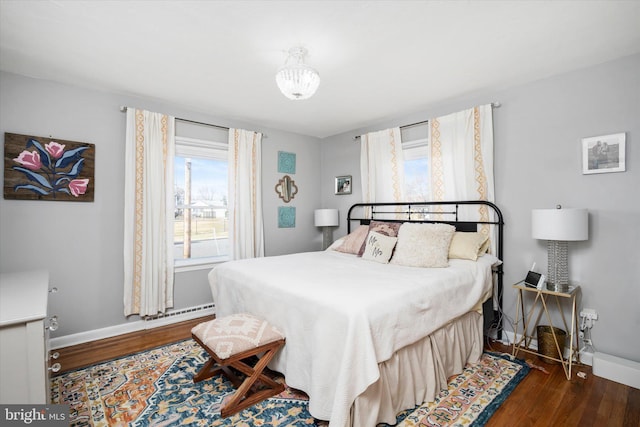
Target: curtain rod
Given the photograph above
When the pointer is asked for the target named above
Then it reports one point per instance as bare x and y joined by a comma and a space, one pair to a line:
124, 110
493, 104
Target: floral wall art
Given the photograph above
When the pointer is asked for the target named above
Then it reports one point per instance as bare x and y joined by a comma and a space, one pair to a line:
46, 168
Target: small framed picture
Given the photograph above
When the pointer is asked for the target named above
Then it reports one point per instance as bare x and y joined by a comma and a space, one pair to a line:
602, 154
343, 184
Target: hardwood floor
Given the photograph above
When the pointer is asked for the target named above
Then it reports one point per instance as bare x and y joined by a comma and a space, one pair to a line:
87, 354
541, 399
549, 399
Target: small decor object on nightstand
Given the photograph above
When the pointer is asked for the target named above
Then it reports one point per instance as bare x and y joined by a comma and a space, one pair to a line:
343, 184
602, 154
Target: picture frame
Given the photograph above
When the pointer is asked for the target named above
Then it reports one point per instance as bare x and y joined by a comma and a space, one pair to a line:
343, 185
603, 154
47, 168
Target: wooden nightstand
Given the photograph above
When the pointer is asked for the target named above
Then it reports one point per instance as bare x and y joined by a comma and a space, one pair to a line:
522, 342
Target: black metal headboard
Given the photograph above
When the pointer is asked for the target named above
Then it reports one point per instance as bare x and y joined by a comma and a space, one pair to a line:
439, 212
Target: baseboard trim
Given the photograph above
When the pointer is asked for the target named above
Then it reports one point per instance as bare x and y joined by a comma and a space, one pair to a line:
125, 328
586, 357
603, 365
616, 369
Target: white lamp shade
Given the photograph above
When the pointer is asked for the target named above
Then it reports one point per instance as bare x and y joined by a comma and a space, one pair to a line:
326, 218
560, 224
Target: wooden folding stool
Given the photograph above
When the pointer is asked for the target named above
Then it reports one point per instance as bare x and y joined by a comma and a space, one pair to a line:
229, 341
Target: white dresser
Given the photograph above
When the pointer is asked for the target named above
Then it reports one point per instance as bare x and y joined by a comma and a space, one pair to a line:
24, 336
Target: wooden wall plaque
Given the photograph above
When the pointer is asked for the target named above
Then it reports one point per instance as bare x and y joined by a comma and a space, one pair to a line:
46, 168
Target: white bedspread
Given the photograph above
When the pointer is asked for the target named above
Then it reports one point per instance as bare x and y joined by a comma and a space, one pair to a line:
343, 315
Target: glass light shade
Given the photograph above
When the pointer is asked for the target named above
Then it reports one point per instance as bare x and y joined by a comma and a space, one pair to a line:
297, 80
326, 218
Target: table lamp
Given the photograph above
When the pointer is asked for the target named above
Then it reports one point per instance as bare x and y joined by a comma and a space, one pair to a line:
559, 226
326, 218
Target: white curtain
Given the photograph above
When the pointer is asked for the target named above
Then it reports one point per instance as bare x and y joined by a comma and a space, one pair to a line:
148, 216
461, 160
246, 233
382, 166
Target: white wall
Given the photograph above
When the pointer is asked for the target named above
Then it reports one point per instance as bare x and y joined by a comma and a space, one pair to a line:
538, 133
81, 243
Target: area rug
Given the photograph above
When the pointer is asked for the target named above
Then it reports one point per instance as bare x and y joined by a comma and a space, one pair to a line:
155, 388
472, 397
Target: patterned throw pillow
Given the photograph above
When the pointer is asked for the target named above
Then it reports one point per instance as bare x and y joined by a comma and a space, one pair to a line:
379, 247
387, 228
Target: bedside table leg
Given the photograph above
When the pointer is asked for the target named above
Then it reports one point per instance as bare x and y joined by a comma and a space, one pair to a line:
564, 319
561, 358
516, 341
575, 304
532, 311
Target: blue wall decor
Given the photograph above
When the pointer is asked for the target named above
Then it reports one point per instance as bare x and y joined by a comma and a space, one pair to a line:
286, 162
286, 217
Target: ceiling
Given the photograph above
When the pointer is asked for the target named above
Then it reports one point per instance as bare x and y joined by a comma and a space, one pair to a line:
377, 59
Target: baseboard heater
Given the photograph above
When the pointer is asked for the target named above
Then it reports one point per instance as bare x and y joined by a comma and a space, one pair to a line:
171, 316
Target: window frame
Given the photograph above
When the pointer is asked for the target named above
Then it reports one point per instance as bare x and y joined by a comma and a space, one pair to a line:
415, 149
203, 149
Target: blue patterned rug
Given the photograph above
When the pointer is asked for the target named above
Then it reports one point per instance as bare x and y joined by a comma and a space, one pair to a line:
155, 388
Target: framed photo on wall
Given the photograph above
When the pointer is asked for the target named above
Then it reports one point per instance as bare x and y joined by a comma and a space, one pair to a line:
343, 184
602, 154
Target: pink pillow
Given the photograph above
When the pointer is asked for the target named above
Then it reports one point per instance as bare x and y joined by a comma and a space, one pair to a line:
387, 228
353, 241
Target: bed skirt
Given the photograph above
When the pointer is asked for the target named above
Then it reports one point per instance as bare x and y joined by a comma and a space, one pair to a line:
417, 373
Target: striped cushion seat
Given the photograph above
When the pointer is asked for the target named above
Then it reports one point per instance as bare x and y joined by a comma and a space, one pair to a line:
230, 335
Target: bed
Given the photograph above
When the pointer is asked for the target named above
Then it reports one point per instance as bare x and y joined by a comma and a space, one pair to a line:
367, 339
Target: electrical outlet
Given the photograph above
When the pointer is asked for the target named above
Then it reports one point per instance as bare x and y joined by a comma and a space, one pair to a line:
589, 314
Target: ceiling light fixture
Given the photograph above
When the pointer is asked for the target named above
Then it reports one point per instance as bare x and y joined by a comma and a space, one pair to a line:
297, 80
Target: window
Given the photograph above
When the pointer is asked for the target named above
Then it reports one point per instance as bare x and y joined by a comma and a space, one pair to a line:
201, 225
416, 170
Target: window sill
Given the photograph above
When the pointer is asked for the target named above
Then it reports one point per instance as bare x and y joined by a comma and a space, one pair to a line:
198, 264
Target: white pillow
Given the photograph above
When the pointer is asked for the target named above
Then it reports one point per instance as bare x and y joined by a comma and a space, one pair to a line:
379, 247
423, 245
